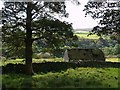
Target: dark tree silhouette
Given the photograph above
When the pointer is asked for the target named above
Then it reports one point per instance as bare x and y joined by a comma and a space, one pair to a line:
25, 22
108, 14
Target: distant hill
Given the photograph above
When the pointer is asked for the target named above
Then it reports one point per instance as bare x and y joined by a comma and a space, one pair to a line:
82, 30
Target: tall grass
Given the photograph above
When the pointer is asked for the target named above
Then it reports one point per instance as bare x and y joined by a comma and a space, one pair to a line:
78, 77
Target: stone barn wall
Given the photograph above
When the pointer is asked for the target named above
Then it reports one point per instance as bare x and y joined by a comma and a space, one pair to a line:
83, 55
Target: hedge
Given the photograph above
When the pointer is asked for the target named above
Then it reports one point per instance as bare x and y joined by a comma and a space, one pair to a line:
56, 66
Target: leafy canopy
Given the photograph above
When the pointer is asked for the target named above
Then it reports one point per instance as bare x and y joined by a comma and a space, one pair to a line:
45, 27
108, 14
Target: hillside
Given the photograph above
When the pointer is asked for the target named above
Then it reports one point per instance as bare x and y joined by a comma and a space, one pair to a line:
82, 30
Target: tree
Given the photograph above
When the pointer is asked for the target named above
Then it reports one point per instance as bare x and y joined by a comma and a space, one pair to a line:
25, 22
108, 14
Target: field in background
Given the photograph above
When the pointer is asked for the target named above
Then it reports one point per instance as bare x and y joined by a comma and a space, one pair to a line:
84, 35
112, 59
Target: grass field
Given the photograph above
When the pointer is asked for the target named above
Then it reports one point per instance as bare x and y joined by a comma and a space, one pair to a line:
17, 61
112, 59
78, 77
84, 35
82, 77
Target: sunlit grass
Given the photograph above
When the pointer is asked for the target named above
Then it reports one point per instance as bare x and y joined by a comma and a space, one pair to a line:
22, 61
48, 60
84, 35
112, 59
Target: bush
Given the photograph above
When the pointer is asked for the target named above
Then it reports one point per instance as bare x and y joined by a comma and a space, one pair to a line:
86, 43
45, 55
112, 50
3, 58
41, 55
35, 56
117, 49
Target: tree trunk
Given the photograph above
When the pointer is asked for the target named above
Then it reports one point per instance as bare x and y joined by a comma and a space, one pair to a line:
28, 41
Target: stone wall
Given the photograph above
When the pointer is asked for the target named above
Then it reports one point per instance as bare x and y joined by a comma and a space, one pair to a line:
83, 54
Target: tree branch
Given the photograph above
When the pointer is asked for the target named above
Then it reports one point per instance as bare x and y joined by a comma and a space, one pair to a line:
37, 10
16, 25
37, 38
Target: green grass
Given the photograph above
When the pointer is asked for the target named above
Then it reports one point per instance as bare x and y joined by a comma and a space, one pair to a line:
112, 59
78, 77
19, 61
84, 35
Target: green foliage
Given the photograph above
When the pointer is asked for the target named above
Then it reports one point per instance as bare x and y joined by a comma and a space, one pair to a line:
86, 43
40, 25
112, 50
108, 45
70, 78
55, 34
51, 39
108, 15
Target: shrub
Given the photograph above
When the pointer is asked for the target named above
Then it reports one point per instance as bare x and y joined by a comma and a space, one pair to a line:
36, 56
3, 58
41, 55
112, 50
46, 55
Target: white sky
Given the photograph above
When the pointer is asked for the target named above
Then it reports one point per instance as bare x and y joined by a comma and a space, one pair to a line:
77, 16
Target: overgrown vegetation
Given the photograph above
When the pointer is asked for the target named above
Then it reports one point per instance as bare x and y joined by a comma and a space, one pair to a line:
109, 46
53, 72
53, 38
78, 77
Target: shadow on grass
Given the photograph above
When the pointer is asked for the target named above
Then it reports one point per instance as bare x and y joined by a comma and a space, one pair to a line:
52, 81
57, 66
13, 76
15, 81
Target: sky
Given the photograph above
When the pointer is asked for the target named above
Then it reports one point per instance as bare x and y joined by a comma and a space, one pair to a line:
77, 15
